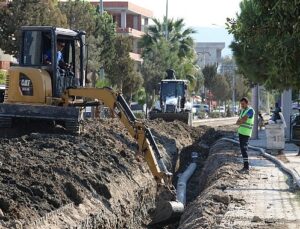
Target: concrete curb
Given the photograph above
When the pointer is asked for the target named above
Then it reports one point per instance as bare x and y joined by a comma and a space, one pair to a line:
214, 119
280, 164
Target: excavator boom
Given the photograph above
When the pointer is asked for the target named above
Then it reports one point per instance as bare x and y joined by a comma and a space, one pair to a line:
165, 209
136, 128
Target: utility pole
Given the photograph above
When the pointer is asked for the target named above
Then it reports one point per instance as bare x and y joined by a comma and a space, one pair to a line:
255, 107
166, 22
286, 103
268, 102
204, 64
101, 9
233, 93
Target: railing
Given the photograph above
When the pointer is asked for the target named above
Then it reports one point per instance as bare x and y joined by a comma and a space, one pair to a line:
131, 31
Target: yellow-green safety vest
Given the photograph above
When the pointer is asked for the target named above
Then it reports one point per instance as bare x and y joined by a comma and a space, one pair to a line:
246, 128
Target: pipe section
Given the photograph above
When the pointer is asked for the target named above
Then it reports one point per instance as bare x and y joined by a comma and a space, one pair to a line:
296, 179
183, 179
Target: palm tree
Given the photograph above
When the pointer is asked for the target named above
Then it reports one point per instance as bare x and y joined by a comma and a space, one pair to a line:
178, 36
174, 49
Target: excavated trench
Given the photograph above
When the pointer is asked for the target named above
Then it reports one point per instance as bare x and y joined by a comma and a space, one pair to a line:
55, 180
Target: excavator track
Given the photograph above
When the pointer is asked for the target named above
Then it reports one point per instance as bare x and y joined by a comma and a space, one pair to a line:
72, 126
5, 122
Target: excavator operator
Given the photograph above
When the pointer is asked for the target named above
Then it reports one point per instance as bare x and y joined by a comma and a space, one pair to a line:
60, 58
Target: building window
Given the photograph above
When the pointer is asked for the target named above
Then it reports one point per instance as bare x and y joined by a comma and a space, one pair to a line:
135, 22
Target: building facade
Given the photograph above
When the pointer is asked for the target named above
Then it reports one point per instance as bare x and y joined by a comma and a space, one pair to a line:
131, 20
4, 58
209, 53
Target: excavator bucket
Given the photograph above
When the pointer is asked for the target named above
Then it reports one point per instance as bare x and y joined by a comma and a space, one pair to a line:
185, 117
166, 212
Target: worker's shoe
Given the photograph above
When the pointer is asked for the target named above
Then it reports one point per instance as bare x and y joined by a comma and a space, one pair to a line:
244, 170
246, 165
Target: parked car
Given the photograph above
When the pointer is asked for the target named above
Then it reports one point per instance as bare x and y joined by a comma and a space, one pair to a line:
221, 109
200, 108
2, 92
136, 107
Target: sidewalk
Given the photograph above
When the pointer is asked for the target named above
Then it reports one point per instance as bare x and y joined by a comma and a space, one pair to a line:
290, 153
266, 200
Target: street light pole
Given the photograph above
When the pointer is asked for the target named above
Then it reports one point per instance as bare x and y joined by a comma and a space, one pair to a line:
101, 10
166, 22
255, 106
204, 64
233, 93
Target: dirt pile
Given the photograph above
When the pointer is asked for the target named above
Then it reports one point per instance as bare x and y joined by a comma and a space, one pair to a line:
218, 174
55, 180
92, 173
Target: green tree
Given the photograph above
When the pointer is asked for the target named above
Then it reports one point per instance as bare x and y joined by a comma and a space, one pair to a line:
266, 45
220, 88
80, 15
21, 13
100, 31
242, 87
210, 74
123, 74
176, 51
178, 36
106, 30
235, 80
155, 64
199, 81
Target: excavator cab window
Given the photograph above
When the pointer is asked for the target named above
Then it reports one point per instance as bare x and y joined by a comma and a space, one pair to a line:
35, 45
172, 89
61, 52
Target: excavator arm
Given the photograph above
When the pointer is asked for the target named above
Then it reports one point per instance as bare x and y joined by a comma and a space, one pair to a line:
137, 129
166, 208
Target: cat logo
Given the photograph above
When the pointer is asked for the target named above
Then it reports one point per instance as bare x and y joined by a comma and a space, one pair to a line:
25, 85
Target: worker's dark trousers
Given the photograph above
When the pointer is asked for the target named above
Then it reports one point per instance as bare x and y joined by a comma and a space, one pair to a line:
244, 141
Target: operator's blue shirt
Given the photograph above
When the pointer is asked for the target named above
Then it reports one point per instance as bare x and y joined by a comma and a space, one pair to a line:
48, 56
249, 113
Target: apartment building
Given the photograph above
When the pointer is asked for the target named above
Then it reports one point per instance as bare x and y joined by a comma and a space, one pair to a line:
209, 53
131, 20
4, 58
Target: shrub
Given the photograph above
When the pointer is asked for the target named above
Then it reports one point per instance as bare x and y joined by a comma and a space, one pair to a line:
140, 115
2, 76
229, 113
215, 114
201, 115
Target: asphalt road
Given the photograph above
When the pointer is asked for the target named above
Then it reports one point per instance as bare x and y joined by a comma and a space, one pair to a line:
216, 122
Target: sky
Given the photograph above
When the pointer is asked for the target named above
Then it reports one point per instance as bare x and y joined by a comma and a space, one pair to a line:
207, 17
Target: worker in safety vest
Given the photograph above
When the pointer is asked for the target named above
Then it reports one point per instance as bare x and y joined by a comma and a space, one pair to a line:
245, 122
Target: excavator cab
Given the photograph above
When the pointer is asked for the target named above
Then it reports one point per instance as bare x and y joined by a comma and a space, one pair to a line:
61, 52
51, 61
172, 104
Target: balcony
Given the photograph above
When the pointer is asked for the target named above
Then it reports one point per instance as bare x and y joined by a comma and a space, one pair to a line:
136, 57
130, 32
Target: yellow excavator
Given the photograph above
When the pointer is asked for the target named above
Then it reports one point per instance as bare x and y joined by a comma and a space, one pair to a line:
49, 84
